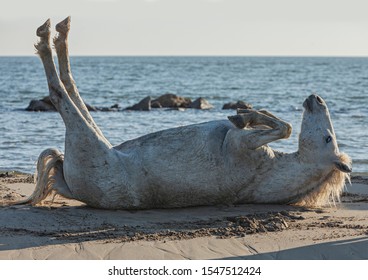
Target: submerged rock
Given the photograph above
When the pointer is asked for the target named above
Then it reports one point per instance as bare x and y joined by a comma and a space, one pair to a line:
201, 104
112, 108
143, 105
173, 101
42, 105
237, 105
155, 104
45, 105
170, 100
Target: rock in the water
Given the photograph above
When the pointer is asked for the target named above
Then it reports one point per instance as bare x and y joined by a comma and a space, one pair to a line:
155, 104
235, 105
143, 105
113, 108
170, 100
200, 103
43, 105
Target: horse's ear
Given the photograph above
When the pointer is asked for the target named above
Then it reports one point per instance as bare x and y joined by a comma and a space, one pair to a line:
343, 167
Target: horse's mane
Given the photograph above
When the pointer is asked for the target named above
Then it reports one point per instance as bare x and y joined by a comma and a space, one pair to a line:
330, 189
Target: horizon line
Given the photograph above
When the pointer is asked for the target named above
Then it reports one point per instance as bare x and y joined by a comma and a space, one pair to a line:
197, 55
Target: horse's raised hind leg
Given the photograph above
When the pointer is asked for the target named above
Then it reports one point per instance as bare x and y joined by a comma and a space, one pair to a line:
72, 117
61, 47
272, 129
87, 154
80, 135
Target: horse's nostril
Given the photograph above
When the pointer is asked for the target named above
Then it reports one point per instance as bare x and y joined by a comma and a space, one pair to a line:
319, 100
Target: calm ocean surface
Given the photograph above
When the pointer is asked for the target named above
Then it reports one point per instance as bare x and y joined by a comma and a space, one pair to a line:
277, 84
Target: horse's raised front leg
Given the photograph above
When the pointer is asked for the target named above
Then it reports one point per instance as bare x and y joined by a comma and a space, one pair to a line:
61, 47
257, 128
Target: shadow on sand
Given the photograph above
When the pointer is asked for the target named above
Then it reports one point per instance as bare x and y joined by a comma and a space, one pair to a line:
351, 249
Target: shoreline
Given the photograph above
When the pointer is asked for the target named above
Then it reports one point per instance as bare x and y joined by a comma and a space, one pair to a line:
67, 229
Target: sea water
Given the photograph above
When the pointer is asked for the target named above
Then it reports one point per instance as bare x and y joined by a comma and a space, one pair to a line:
278, 84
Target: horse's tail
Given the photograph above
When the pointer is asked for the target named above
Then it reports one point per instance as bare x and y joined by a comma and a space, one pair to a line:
49, 178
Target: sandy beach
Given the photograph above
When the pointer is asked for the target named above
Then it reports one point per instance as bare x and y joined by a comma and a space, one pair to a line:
67, 229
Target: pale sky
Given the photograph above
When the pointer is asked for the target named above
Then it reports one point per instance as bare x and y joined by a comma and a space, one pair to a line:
192, 27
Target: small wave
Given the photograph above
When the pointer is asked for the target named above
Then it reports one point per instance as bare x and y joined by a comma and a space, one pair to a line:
360, 161
358, 117
32, 92
342, 145
295, 109
233, 88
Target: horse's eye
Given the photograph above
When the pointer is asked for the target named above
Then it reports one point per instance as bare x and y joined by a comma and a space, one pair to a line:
328, 139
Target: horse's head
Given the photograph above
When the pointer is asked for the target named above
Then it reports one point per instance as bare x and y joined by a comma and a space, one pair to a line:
317, 140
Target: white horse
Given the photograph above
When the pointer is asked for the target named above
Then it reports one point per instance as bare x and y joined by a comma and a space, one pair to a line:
217, 162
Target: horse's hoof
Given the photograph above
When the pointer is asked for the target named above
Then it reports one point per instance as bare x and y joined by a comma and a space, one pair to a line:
63, 27
237, 121
44, 30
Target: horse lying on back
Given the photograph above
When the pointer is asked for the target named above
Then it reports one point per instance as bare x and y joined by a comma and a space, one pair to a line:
229, 160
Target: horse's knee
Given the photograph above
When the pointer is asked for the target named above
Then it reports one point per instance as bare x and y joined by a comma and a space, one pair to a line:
56, 95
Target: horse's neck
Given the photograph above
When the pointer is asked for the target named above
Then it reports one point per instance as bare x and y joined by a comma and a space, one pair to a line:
293, 165
294, 175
